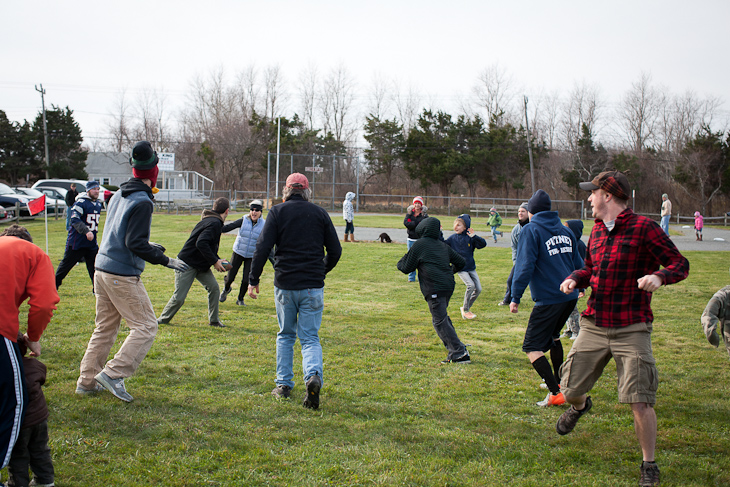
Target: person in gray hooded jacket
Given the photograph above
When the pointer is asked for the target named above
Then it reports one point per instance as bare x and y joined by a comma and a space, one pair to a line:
119, 290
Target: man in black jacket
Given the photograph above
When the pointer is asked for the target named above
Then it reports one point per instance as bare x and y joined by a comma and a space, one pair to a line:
301, 232
200, 252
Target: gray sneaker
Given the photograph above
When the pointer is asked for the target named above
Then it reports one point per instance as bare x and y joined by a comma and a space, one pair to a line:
82, 391
224, 295
281, 392
115, 386
240, 302
314, 384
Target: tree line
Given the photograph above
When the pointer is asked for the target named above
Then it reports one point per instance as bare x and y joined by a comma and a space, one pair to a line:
665, 142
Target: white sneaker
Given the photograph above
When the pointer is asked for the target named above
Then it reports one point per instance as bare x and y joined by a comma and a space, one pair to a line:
115, 386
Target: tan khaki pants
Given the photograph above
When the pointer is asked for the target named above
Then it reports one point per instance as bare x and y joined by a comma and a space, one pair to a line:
118, 297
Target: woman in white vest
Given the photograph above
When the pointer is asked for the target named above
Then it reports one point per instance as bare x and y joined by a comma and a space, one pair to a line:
249, 228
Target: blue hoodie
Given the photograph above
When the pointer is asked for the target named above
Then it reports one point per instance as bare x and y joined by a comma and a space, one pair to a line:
465, 245
546, 254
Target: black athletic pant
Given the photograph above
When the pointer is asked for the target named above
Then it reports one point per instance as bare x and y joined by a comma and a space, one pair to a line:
73, 257
236, 261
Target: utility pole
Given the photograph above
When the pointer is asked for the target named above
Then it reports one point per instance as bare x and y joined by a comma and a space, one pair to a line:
529, 149
45, 127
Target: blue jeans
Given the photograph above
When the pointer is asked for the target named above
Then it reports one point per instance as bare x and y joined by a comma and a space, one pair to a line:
299, 313
665, 224
412, 275
496, 232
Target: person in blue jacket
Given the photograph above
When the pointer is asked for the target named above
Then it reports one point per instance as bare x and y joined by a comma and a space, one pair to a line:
81, 242
464, 241
546, 253
249, 229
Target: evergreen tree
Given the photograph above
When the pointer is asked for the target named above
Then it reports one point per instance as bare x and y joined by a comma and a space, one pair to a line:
67, 159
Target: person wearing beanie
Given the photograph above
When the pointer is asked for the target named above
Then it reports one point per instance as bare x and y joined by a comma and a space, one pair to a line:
522, 220
306, 248
629, 258
120, 292
249, 229
81, 244
200, 252
464, 241
28, 274
32, 450
494, 222
415, 214
547, 251
348, 214
436, 263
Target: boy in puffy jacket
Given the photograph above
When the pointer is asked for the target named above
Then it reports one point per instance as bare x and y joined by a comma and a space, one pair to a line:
348, 214
464, 241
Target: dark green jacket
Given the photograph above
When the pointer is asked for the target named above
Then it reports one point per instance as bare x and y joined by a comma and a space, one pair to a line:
436, 262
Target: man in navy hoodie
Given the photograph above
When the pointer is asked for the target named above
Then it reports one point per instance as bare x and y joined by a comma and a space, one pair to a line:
547, 251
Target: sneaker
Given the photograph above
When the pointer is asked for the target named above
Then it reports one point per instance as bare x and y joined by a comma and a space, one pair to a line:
573, 336
469, 315
649, 474
314, 384
464, 359
568, 420
240, 302
115, 386
552, 400
82, 391
217, 324
281, 392
33, 483
463, 315
502, 303
224, 295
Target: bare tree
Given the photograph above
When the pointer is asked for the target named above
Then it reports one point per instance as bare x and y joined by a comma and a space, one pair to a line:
275, 94
308, 86
248, 91
337, 103
582, 107
639, 113
119, 123
408, 106
495, 93
378, 100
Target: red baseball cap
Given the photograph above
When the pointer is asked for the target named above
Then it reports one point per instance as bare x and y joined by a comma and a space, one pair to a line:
297, 180
613, 182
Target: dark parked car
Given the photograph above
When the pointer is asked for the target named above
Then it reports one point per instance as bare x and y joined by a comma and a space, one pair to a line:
8, 199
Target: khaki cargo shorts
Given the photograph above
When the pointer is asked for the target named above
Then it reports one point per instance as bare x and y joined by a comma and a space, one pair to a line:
630, 347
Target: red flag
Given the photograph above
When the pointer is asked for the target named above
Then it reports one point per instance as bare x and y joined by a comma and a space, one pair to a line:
37, 205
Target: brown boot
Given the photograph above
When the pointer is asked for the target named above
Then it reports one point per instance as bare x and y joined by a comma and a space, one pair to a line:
700, 237
352, 238
347, 236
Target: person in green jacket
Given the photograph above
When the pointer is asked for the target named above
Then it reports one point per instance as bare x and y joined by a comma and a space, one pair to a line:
436, 263
494, 221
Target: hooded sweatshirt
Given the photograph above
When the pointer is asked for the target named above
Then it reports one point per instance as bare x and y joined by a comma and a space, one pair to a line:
465, 245
546, 254
348, 212
436, 262
201, 249
577, 227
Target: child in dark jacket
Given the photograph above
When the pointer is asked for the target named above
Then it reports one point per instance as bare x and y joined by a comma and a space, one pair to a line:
465, 241
436, 263
31, 449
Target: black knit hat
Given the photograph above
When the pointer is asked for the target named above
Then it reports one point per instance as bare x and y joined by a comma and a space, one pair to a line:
143, 156
540, 201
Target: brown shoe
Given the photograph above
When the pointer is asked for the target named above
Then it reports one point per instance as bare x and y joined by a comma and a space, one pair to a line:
281, 392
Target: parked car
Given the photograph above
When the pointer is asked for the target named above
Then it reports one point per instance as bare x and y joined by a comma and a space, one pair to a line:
3, 213
52, 201
8, 199
104, 194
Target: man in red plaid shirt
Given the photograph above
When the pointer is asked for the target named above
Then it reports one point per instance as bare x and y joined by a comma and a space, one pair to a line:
625, 253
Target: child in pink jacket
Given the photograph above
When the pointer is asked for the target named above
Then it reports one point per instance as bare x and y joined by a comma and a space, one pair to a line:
698, 226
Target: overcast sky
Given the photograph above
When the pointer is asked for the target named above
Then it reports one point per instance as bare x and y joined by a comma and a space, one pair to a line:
85, 52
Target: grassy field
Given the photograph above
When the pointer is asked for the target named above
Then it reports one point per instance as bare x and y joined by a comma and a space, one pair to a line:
390, 414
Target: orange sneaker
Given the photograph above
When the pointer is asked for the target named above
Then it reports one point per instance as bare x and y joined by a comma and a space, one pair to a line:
552, 400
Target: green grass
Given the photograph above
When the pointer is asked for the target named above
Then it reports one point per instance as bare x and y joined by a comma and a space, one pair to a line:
390, 415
